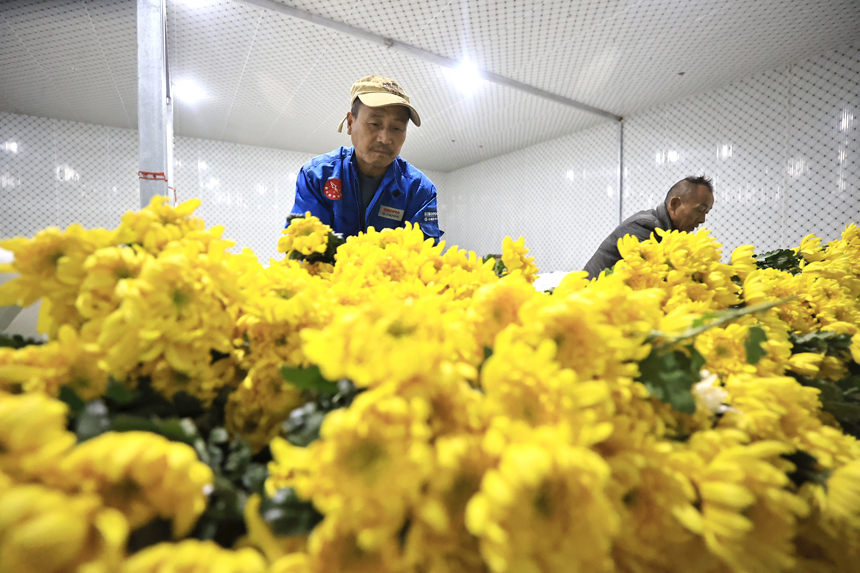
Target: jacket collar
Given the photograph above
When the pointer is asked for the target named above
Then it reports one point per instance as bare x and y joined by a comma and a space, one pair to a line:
394, 170
662, 215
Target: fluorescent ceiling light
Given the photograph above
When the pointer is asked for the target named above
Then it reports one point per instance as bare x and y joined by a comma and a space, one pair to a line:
188, 91
466, 77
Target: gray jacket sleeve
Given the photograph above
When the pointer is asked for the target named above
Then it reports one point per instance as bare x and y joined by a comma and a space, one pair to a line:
607, 253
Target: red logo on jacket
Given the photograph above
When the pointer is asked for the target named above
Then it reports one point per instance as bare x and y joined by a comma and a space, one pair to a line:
332, 189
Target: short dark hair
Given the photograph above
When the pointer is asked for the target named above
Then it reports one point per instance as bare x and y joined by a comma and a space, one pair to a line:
686, 185
356, 104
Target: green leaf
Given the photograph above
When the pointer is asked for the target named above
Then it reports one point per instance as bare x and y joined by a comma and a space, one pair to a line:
17, 341
806, 468
308, 378
669, 376
239, 457
254, 477
117, 392
781, 259
753, 345
821, 342
72, 400
174, 429
303, 425
92, 421
704, 318
500, 269
287, 515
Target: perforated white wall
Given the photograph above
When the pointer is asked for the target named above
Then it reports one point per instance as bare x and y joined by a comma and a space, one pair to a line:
55, 173
562, 196
782, 149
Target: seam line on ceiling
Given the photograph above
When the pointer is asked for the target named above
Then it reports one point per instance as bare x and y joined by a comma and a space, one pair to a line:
41, 69
424, 55
110, 70
241, 75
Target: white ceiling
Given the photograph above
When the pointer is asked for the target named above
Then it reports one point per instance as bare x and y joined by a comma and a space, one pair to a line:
276, 81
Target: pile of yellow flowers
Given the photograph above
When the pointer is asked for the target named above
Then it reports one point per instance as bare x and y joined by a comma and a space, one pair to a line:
417, 412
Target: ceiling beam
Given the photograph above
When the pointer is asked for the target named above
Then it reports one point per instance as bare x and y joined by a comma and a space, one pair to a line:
424, 55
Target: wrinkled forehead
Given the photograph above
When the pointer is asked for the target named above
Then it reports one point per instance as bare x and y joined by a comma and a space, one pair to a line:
392, 112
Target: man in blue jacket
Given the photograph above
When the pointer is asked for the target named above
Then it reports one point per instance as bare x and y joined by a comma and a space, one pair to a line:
369, 184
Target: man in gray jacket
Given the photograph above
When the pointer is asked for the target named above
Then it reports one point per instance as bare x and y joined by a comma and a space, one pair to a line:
685, 207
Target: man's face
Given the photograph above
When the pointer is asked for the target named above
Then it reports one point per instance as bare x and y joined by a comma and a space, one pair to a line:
690, 212
377, 133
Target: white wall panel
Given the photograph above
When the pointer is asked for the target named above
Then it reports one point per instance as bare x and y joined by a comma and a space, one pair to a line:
55, 173
562, 196
782, 149
781, 146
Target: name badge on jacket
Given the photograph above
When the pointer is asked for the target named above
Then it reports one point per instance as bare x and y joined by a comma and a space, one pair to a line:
391, 213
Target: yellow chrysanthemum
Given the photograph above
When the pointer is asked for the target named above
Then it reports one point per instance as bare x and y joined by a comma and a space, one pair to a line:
46, 368
292, 563
648, 493
388, 341
686, 266
33, 435
106, 268
159, 224
279, 302
514, 256
51, 267
261, 537
545, 508
305, 235
571, 283
333, 547
779, 408
525, 383
747, 517
810, 249
392, 255
437, 539
843, 495
599, 331
141, 474
743, 261
368, 466
175, 311
806, 363
193, 556
496, 305
855, 347
260, 404
47, 531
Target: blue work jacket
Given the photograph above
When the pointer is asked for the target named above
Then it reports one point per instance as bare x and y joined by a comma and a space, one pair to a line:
328, 187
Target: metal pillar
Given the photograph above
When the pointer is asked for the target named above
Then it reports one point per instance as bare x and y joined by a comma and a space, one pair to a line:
154, 110
620, 170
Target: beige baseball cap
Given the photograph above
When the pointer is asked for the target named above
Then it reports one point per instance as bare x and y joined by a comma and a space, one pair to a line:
376, 91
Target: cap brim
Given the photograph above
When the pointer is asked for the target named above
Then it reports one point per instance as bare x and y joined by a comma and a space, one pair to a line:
386, 100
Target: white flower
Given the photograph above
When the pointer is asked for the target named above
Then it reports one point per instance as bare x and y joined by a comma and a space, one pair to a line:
709, 394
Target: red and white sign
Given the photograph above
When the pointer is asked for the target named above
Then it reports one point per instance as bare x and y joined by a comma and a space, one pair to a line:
391, 213
332, 189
